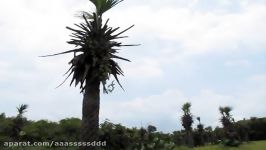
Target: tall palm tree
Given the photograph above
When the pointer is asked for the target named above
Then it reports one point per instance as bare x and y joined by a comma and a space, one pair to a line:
226, 118
231, 136
93, 62
187, 121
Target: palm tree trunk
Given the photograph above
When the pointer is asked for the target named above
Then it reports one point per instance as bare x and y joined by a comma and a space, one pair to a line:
90, 113
190, 141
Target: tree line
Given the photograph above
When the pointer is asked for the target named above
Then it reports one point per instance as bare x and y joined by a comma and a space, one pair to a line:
119, 137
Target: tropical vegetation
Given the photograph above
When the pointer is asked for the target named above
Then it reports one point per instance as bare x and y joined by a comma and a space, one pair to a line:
119, 137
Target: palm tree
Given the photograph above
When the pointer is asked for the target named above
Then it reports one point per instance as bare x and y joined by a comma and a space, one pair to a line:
187, 121
231, 136
200, 132
19, 121
21, 110
226, 118
93, 62
200, 126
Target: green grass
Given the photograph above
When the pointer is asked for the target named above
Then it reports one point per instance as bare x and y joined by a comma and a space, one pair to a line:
256, 145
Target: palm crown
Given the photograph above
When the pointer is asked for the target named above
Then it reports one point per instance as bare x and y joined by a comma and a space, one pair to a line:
187, 119
96, 48
22, 109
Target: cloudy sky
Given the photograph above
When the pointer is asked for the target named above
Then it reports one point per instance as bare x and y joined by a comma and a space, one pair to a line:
209, 53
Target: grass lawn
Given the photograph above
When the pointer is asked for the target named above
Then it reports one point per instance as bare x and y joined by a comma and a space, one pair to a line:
256, 145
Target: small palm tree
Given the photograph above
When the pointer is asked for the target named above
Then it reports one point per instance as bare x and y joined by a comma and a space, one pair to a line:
93, 62
200, 132
200, 126
187, 121
19, 122
198, 118
22, 109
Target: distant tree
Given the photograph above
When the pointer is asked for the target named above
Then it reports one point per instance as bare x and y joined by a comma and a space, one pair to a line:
231, 136
93, 62
243, 129
178, 138
151, 128
199, 134
19, 122
200, 126
6, 130
257, 128
69, 129
2, 116
22, 109
117, 136
209, 135
151, 140
43, 130
187, 121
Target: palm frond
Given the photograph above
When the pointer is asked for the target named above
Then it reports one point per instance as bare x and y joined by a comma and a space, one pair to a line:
97, 47
22, 108
88, 15
70, 51
104, 5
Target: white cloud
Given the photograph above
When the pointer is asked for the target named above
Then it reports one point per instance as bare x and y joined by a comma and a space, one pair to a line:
237, 63
198, 31
259, 78
164, 109
37, 26
143, 69
153, 109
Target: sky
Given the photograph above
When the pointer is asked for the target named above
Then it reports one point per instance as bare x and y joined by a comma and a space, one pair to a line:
209, 53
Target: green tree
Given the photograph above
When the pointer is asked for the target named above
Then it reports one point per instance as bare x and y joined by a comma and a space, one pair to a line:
151, 128
200, 126
226, 118
5, 128
69, 129
93, 62
18, 122
199, 134
42, 130
187, 121
115, 135
231, 137
209, 136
